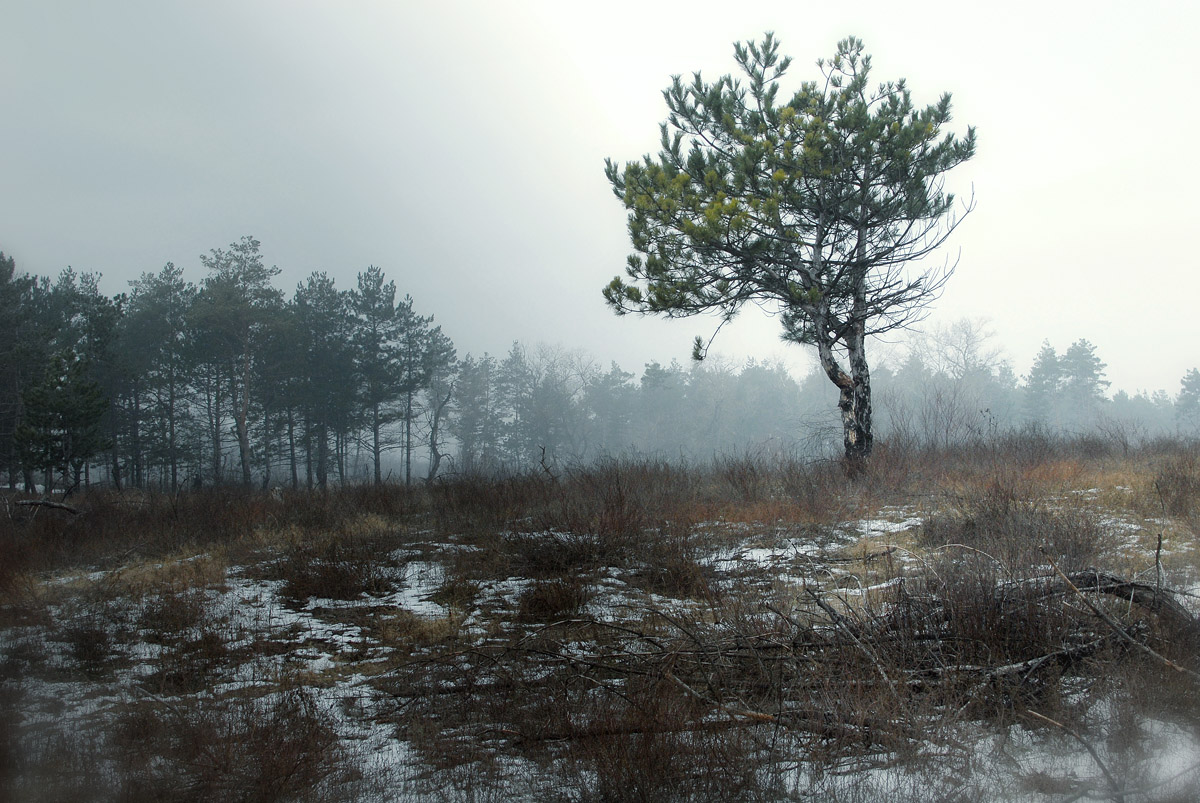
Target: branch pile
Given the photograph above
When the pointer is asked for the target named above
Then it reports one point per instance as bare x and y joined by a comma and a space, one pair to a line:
866, 677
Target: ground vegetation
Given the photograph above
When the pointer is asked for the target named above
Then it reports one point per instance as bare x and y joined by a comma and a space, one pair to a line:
1011, 620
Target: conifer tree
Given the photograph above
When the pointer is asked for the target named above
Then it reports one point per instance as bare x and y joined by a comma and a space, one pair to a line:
1042, 386
377, 336
813, 207
1083, 383
478, 422
610, 398
21, 357
1187, 403
412, 371
328, 365
233, 310
62, 428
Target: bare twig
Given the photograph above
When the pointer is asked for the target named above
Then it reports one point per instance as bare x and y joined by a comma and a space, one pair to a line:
840, 621
1158, 563
1118, 793
1162, 501
549, 472
755, 716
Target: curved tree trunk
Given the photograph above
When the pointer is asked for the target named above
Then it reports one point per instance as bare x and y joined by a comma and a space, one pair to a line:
854, 398
435, 454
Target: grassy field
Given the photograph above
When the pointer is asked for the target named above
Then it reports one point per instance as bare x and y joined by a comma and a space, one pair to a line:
1012, 621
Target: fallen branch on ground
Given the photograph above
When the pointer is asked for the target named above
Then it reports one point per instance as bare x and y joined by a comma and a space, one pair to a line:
47, 503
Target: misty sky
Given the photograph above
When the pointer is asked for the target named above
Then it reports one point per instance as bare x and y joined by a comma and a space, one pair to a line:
460, 147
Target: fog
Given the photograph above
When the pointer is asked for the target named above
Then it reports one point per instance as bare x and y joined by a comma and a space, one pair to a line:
460, 147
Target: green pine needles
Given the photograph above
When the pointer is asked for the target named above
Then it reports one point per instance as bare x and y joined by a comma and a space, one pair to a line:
816, 208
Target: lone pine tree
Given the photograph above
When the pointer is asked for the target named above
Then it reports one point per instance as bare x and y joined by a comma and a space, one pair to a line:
815, 209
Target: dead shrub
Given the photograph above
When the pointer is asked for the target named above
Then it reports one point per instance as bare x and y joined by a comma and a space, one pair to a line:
189, 665
608, 499
1019, 533
547, 600
114, 526
457, 592
746, 475
166, 618
11, 700
93, 627
193, 650
336, 568
618, 500
1030, 446
675, 563
388, 499
23, 654
481, 505
983, 619
54, 764
606, 515
279, 747
551, 553
614, 503
655, 744
814, 487
91, 646
1176, 484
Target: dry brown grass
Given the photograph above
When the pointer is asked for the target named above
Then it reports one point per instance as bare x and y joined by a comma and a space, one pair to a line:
408, 631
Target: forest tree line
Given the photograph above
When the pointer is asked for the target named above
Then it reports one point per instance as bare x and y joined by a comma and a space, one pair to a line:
176, 384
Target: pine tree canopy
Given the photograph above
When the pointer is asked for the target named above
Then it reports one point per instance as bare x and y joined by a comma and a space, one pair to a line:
815, 204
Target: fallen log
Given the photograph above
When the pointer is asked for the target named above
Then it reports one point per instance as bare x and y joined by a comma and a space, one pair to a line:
1188, 621
47, 503
1151, 598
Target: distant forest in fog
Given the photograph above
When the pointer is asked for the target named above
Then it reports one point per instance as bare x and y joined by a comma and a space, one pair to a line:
230, 381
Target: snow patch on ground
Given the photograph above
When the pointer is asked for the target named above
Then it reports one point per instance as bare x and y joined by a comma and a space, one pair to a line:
422, 579
874, 528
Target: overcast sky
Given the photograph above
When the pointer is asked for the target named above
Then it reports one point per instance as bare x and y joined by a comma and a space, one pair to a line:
460, 147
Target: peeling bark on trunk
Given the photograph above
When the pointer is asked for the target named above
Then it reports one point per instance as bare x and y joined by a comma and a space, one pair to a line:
854, 398
854, 385
855, 404
856, 414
